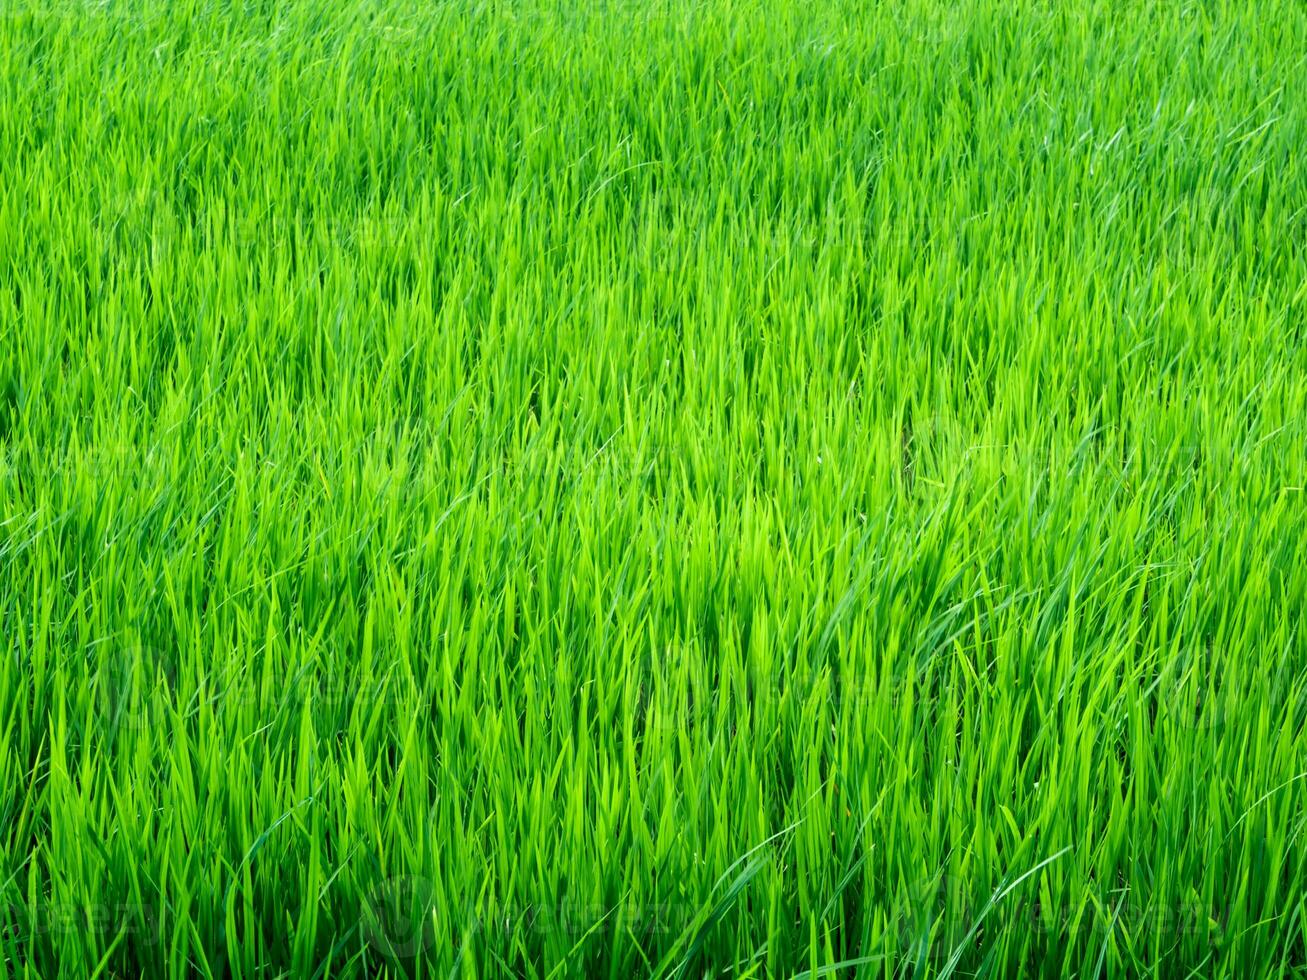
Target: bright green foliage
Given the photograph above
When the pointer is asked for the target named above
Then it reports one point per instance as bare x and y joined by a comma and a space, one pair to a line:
690, 487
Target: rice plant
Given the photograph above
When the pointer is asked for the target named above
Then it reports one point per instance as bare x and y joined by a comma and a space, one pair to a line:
681, 488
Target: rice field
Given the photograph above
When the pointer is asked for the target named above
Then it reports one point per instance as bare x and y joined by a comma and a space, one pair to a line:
690, 488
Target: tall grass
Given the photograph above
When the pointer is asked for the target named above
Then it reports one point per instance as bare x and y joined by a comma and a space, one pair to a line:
674, 488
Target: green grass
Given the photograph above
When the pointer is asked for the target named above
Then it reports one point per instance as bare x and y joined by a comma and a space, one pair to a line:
733, 487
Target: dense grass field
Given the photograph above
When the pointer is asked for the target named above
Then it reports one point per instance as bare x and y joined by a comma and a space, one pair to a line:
676, 488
